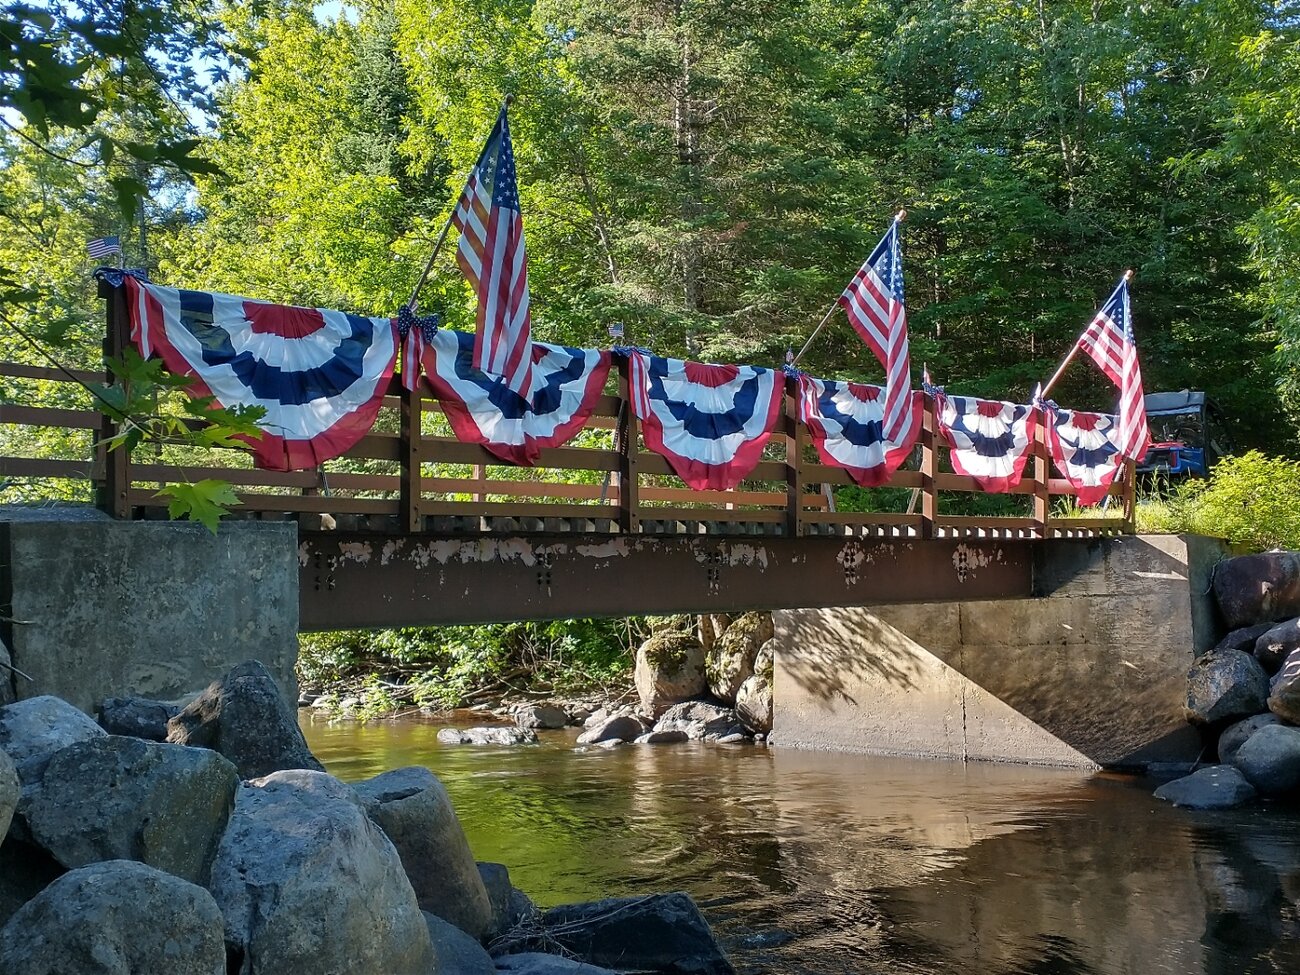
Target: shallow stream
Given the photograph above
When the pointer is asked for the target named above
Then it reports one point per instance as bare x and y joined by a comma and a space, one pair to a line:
837, 864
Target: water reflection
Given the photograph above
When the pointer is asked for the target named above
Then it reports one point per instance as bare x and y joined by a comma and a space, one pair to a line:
810, 863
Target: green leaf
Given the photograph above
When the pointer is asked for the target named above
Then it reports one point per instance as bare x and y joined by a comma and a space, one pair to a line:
206, 501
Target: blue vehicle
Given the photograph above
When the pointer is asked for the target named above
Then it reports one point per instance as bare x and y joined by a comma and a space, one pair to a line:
1187, 434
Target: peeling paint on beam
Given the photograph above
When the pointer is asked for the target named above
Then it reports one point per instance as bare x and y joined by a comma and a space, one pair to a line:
356, 580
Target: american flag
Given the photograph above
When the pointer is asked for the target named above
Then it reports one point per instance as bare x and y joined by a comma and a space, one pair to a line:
491, 253
103, 246
874, 303
1109, 340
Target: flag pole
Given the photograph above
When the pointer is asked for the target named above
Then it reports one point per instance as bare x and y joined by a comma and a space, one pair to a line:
442, 235
1128, 276
898, 218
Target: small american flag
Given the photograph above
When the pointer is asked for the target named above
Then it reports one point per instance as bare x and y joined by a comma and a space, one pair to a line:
874, 304
616, 330
103, 246
1109, 340
491, 253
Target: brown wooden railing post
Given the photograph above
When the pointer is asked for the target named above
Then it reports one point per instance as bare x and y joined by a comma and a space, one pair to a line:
112, 493
794, 443
629, 517
411, 490
1130, 497
1042, 474
929, 463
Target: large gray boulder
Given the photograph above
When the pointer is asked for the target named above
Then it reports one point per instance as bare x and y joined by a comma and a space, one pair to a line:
1216, 787
413, 809
244, 716
1276, 644
1236, 735
754, 700
1243, 638
115, 918
1270, 760
138, 717
117, 798
1258, 588
510, 905
8, 792
541, 716
699, 719
454, 951
1284, 691
536, 963
730, 661
487, 735
6, 676
32, 730
657, 933
309, 885
669, 669
1225, 686
620, 727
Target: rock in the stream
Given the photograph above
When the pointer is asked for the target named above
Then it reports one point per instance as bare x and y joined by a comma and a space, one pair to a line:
117, 798
660, 738
541, 716
8, 792
536, 963
1284, 692
1225, 686
699, 720
730, 662
487, 736
510, 905
1235, 735
244, 716
1243, 638
116, 918
669, 668
307, 884
657, 933
138, 717
1258, 588
1270, 760
412, 808
454, 951
32, 730
1216, 787
620, 727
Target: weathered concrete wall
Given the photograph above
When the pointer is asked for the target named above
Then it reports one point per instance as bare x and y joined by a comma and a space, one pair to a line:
96, 608
1092, 671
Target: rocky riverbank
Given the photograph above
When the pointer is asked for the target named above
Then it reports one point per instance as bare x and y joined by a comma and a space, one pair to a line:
1244, 694
209, 840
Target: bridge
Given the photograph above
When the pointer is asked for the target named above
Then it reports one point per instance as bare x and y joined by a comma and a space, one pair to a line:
413, 527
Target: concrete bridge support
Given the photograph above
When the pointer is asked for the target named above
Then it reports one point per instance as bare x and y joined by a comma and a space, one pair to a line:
95, 608
1091, 671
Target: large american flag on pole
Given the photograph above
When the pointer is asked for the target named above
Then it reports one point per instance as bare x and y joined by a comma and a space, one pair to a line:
1108, 339
491, 253
874, 304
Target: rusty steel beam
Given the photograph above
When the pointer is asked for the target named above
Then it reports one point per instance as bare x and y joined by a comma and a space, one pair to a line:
359, 580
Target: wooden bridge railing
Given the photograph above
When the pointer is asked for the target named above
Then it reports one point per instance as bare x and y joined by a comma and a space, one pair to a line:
410, 475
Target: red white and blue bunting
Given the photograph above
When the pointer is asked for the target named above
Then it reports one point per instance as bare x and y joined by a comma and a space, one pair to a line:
844, 422
566, 383
321, 375
989, 439
1084, 451
711, 422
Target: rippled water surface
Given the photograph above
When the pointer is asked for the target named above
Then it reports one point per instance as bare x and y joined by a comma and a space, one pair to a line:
810, 863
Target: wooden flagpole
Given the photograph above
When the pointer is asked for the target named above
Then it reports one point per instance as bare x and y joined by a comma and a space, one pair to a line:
898, 218
442, 236
1128, 276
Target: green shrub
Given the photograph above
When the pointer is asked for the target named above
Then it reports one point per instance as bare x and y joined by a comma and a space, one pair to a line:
1251, 500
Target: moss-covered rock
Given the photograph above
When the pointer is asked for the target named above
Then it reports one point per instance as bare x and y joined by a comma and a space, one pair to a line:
669, 669
730, 662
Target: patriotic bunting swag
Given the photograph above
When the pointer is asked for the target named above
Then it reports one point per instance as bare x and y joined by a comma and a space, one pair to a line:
845, 420
1084, 450
321, 375
710, 422
482, 409
989, 439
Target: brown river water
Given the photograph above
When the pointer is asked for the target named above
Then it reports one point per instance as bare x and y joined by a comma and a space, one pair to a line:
838, 864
